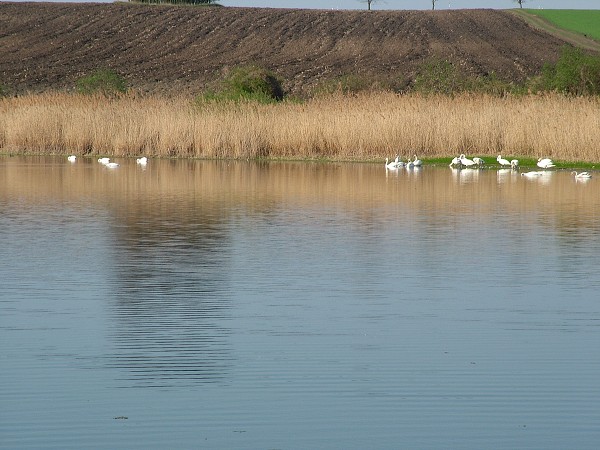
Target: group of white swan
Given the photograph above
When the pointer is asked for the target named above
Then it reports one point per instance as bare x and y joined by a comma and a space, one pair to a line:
107, 163
543, 163
143, 161
397, 163
463, 162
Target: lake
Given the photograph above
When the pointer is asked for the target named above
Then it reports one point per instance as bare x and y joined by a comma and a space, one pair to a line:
296, 305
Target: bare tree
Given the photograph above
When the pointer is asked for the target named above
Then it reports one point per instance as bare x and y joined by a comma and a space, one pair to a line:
520, 2
368, 2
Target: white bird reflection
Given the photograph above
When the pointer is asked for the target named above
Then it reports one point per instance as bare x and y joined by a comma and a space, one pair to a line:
505, 175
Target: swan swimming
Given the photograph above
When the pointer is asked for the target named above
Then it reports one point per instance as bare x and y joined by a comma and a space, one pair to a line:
399, 162
142, 161
417, 162
104, 160
390, 165
502, 161
72, 158
582, 175
532, 174
545, 163
112, 165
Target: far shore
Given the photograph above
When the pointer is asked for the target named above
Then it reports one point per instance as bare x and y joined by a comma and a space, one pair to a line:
367, 127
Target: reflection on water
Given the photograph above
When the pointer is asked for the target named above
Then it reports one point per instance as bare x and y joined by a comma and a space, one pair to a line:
171, 281
296, 305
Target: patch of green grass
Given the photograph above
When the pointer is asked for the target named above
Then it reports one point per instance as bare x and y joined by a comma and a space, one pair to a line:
578, 20
102, 81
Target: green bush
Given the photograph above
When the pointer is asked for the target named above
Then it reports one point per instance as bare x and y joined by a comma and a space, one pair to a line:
102, 81
248, 83
575, 73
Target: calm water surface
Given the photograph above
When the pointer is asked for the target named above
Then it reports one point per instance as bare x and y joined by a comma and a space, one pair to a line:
242, 305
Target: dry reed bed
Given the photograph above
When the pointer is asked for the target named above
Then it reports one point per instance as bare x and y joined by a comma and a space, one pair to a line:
345, 128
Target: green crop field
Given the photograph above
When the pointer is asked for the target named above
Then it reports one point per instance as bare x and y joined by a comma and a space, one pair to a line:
586, 22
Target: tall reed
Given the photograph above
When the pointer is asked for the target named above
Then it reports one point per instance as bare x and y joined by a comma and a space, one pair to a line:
365, 127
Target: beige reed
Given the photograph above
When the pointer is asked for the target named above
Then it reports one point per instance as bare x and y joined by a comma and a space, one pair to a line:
365, 127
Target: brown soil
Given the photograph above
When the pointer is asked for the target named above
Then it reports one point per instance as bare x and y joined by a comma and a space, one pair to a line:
170, 49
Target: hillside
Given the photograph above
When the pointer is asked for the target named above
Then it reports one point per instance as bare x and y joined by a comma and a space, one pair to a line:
169, 49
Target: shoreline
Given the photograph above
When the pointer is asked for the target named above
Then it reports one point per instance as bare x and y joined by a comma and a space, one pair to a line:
491, 164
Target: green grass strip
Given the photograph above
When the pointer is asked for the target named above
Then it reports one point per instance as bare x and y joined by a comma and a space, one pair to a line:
586, 22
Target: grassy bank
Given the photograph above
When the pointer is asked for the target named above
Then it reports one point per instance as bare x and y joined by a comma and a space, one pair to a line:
559, 23
365, 127
578, 20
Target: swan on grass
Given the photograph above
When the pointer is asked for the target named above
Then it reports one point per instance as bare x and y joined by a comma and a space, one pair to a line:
514, 163
72, 158
545, 163
455, 161
582, 175
466, 161
480, 162
502, 161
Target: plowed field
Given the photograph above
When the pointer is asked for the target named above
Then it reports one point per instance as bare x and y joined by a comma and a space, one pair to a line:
169, 49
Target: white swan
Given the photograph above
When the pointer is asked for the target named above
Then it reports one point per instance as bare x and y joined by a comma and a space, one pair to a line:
466, 161
72, 158
514, 163
104, 160
390, 165
532, 174
399, 162
455, 161
142, 161
502, 161
480, 162
409, 164
582, 175
545, 163
417, 162
112, 165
